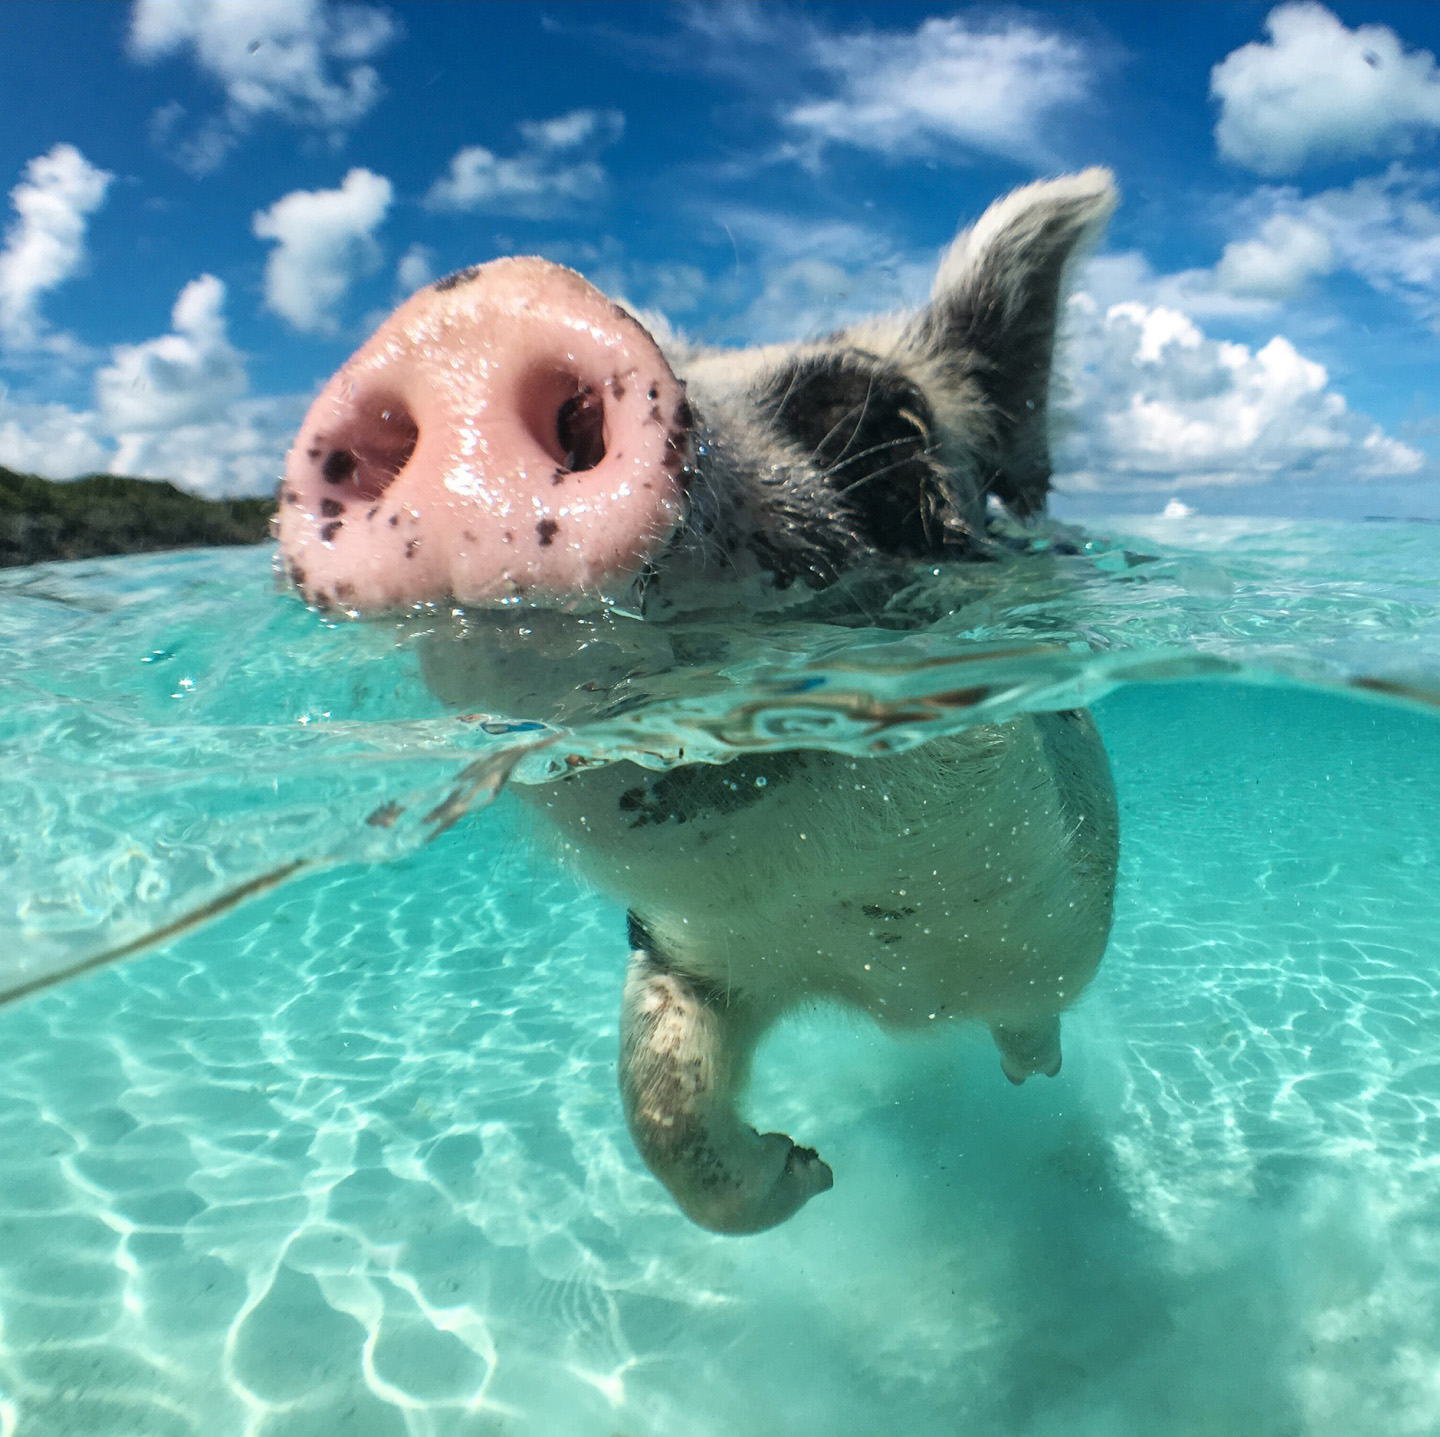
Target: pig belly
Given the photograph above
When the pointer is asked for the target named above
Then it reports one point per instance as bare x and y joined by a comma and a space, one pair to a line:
968, 878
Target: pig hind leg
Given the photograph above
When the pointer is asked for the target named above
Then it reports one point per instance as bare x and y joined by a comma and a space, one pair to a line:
684, 1054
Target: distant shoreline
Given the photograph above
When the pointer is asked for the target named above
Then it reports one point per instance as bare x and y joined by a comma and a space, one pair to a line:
45, 519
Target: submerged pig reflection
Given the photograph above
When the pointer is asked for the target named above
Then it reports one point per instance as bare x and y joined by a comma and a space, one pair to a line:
511, 435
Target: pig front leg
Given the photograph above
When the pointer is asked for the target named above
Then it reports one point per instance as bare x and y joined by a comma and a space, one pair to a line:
684, 1053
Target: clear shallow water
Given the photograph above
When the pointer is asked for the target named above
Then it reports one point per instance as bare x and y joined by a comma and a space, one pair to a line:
350, 1158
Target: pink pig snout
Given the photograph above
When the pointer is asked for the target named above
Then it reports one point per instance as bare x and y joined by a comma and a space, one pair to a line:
508, 433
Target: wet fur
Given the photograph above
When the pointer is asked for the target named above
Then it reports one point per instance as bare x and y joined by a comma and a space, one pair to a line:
980, 355
971, 878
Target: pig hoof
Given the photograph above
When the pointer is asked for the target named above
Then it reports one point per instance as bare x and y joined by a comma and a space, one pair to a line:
805, 1171
785, 1177
1029, 1050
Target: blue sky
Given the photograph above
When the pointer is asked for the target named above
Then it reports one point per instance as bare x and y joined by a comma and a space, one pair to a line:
210, 202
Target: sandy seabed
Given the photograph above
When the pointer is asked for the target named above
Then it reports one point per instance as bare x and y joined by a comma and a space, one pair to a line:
351, 1161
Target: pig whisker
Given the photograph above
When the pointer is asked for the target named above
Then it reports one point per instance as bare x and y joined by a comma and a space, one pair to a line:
853, 417
788, 395
875, 474
857, 415
846, 462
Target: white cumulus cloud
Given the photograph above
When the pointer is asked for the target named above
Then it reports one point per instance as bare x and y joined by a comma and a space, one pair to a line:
183, 377
415, 270
241, 450
1158, 404
951, 83
45, 243
174, 407
324, 241
298, 60
1278, 262
1386, 228
50, 439
554, 169
1317, 90
1383, 228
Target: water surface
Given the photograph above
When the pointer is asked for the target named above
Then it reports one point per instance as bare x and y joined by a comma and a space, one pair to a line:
350, 1158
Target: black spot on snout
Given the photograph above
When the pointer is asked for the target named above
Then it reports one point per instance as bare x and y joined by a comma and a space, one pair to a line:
459, 277
547, 529
329, 531
331, 508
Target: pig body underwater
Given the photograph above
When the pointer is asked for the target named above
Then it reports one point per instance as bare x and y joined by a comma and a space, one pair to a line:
511, 436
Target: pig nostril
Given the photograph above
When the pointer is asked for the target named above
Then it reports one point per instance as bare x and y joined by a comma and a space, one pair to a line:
369, 448
564, 415
580, 430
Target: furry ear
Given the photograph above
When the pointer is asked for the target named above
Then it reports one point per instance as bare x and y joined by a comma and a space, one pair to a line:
993, 312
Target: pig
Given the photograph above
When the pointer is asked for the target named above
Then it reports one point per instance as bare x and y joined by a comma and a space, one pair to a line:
510, 438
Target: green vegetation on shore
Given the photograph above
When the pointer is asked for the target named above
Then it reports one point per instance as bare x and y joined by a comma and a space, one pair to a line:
43, 519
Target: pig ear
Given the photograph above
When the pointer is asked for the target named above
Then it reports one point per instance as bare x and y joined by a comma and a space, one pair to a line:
992, 316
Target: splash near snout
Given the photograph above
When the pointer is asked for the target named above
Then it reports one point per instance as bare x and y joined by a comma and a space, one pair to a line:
507, 433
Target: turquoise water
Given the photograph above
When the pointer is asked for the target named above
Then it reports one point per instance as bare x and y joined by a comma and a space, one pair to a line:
349, 1158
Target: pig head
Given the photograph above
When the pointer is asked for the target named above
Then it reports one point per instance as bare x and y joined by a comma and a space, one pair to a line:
510, 433
510, 438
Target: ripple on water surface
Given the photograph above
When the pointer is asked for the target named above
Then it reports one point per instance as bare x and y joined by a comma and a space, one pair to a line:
351, 1159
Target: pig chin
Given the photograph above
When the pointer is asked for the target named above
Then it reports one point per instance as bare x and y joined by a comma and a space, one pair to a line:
507, 435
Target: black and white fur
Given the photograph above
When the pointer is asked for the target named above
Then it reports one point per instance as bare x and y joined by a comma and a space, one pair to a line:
970, 878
